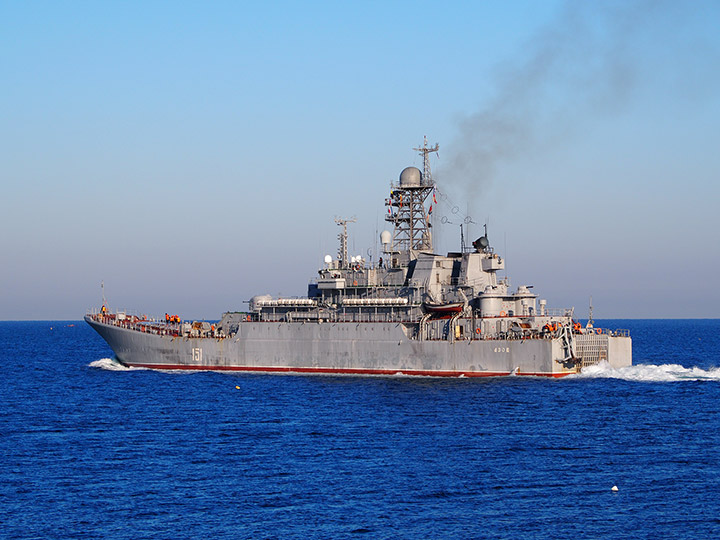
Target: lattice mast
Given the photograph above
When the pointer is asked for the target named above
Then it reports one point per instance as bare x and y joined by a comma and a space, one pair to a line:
412, 229
343, 237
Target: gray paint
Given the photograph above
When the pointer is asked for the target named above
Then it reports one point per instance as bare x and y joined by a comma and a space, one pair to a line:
418, 312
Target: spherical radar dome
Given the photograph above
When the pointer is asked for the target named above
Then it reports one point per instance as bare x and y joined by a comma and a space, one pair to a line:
410, 177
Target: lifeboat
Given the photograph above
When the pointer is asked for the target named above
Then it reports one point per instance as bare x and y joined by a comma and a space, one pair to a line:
452, 307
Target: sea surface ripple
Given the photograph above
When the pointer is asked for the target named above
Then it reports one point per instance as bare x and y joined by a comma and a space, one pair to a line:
92, 449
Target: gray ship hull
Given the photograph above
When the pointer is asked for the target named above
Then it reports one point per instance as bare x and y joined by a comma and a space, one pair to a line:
373, 348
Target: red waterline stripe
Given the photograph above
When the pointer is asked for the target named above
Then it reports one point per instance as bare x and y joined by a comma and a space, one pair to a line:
348, 371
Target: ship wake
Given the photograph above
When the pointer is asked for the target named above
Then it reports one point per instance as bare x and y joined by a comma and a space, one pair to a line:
111, 364
650, 373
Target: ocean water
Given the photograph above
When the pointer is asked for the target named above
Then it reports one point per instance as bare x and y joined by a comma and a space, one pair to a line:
91, 449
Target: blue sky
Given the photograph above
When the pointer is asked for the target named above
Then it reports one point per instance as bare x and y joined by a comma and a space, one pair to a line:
194, 154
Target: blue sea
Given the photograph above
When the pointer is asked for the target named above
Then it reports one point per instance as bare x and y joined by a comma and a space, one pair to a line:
90, 449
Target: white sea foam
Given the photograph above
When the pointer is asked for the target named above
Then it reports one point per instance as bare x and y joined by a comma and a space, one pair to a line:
110, 364
650, 373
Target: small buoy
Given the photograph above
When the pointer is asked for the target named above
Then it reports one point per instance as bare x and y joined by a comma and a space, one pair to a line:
237, 388
614, 488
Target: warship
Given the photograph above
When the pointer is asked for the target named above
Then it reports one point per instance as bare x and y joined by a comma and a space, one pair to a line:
412, 312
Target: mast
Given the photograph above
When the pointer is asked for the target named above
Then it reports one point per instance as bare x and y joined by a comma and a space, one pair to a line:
104, 307
425, 153
407, 213
343, 251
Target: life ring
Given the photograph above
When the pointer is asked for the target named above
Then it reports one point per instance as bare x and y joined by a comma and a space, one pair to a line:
355, 283
503, 314
598, 330
477, 330
248, 318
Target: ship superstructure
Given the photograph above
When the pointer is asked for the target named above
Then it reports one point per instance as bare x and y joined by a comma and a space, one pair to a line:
413, 312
